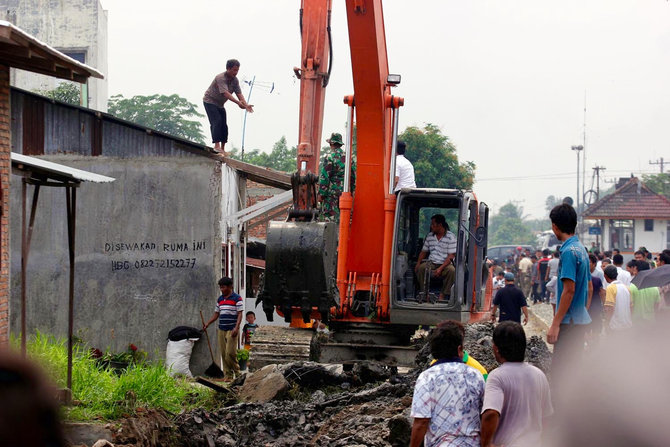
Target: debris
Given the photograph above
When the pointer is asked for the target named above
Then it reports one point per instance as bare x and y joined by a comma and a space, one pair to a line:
310, 404
102, 443
264, 385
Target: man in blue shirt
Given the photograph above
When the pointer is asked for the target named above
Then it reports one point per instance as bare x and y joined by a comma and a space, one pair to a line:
567, 329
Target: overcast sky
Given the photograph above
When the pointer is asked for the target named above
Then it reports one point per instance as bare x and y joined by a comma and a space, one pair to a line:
506, 80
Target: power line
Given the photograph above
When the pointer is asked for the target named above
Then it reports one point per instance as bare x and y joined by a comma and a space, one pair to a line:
658, 162
556, 176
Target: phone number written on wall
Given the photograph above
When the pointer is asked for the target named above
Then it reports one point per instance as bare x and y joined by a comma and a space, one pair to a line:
183, 263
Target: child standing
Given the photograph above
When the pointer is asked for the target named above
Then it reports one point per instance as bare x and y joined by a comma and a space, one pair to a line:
248, 329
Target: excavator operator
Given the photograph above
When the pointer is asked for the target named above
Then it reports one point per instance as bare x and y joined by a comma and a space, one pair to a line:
440, 249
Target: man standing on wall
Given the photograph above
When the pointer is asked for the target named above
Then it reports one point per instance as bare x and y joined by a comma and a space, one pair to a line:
221, 90
229, 307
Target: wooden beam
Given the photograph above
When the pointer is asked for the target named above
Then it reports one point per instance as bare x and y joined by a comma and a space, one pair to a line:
259, 174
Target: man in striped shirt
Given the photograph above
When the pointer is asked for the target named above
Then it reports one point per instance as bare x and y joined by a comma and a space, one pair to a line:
228, 311
440, 249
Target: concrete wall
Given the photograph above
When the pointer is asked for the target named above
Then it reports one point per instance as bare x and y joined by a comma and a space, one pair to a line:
148, 253
5, 170
654, 241
67, 25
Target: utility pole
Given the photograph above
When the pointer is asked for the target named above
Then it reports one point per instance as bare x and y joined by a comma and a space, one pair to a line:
578, 149
583, 153
658, 162
598, 169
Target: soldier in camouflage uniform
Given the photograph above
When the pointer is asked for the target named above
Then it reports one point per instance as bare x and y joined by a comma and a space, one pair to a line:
331, 179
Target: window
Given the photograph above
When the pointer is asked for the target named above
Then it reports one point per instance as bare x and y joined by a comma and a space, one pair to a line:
79, 56
621, 234
649, 225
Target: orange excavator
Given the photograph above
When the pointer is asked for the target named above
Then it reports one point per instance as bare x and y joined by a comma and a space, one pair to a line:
359, 275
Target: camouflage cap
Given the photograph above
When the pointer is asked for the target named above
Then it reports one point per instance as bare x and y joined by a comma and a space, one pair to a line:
335, 138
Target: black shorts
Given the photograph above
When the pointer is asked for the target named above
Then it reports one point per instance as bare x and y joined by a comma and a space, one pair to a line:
218, 124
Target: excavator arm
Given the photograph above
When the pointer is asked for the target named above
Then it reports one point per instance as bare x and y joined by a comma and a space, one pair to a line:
302, 279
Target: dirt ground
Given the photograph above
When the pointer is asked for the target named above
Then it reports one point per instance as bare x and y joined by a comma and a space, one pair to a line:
341, 411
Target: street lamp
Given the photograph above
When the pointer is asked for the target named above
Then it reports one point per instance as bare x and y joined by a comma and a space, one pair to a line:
578, 149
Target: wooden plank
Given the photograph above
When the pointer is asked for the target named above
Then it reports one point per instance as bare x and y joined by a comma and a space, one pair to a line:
260, 174
218, 387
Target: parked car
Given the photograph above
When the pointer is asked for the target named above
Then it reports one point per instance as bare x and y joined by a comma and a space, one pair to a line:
547, 239
500, 253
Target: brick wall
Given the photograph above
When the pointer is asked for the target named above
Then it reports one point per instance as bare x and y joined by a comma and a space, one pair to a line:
5, 170
257, 192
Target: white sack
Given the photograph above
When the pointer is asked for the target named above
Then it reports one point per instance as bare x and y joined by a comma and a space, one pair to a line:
178, 356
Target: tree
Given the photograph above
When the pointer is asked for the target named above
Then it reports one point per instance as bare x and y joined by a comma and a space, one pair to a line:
551, 202
434, 158
659, 183
280, 158
67, 92
508, 227
168, 114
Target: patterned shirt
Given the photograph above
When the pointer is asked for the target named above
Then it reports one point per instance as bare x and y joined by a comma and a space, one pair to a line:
439, 250
228, 308
451, 395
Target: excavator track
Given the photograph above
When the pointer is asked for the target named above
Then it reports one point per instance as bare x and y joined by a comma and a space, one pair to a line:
279, 344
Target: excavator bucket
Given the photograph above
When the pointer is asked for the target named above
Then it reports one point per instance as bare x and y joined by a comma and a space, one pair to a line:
300, 269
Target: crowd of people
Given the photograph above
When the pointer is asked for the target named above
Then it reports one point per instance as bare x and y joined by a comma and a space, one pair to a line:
535, 277
593, 296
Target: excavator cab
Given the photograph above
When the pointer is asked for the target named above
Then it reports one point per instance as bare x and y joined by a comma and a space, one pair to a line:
414, 298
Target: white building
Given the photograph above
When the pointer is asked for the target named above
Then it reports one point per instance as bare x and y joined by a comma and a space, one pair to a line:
77, 28
633, 216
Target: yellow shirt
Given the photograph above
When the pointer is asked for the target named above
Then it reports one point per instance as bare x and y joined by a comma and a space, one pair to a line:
610, 295
472, 363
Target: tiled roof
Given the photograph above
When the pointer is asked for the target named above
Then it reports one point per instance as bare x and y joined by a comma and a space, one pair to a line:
632, 201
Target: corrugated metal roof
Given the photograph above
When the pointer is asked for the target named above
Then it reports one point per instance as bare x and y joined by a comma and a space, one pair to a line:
633, 200
39, 57
55, 170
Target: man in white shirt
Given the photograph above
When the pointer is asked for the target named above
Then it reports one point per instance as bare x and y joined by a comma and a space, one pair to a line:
617, 301
623, 277
404, 171
517, 399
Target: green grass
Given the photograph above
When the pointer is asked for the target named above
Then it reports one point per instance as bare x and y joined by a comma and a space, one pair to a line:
102, 394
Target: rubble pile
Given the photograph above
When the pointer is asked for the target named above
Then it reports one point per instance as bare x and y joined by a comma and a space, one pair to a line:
371, 416
479, 341
320, 405
479, 344
310, 404
537, 353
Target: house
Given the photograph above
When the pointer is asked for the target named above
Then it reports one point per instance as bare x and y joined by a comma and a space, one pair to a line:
21, 50
148, 245
76, 28
632, 217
